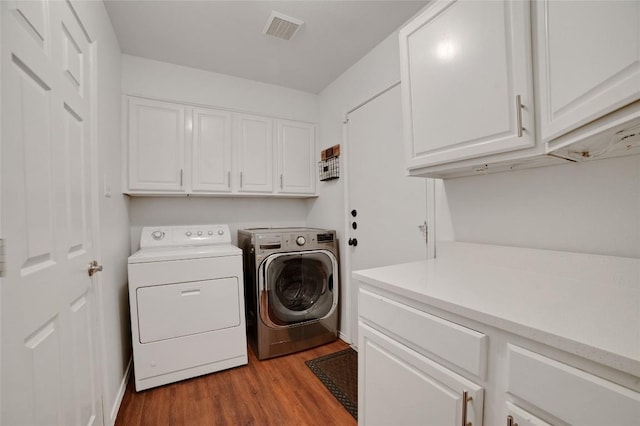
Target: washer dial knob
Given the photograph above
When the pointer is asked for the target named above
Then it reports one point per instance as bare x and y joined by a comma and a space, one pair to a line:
157, 235
199, 233
301, 240
188, 233
220, 232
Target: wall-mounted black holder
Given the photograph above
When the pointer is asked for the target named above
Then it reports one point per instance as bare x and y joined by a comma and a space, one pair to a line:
329, 169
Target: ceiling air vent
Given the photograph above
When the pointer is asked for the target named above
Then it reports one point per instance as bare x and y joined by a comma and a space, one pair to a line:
282, 26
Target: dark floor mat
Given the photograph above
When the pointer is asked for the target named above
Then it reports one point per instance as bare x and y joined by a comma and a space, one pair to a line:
339, 373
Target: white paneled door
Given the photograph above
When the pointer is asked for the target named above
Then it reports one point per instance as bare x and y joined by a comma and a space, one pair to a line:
387, 210
49, 315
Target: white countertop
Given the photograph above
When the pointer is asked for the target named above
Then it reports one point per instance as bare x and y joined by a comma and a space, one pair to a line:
587, 305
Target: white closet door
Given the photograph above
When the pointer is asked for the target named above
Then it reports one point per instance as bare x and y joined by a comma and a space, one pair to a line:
390, 206
50, 370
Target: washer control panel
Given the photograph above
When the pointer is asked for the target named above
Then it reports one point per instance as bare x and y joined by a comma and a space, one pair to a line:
165, 236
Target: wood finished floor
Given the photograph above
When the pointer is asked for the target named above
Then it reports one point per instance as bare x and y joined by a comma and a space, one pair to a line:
279, 391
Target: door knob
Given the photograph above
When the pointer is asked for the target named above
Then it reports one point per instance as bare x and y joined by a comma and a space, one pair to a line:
94, 267
353, 242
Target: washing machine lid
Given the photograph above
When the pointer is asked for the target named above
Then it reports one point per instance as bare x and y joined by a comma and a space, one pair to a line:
163, 254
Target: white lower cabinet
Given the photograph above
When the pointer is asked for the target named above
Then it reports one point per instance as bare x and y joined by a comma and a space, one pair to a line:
399, 386
567, 393
406, 366
416, 361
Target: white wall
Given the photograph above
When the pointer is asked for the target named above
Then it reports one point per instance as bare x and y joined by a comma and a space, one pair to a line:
164, 81
239, 213
159, 80
114, 221
376, 71
591, 207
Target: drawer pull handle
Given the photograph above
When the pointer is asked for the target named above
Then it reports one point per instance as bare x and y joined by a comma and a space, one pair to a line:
510, 421
194, 292
465, 399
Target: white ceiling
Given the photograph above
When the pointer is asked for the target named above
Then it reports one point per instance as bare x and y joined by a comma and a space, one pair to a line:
226, 36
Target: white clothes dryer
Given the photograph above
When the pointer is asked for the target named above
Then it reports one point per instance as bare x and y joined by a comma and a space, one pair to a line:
186, 295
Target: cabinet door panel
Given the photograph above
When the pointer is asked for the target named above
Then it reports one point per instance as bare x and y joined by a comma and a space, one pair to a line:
463, 64
254, 145
401, 387
574, 396
589, 66
211, 157
156, 145
296, 147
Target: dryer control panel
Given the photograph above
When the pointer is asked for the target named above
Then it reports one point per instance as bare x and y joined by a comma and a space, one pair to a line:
187, 235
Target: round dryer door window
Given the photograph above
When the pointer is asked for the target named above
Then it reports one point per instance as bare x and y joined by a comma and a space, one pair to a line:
300, 286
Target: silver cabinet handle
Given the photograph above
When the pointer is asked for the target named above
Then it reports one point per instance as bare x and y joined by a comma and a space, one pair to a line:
181, 178
228, 179
240, 179
519, 107
465, 399
280, 181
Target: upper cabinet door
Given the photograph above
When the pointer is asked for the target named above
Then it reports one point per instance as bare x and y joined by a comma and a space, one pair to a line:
156, 145
467, 81
295, 153
588, 61
254, 146
211, 151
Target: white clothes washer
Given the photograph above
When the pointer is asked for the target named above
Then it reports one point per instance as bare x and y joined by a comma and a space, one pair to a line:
186, 295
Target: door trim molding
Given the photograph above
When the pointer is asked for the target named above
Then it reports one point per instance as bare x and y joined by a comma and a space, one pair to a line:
361, 104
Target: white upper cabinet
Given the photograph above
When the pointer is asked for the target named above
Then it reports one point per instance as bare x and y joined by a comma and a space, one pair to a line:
156, 145
588, 61
254, 148
177, 149
467, 70
295, 157
467, 81
211, 151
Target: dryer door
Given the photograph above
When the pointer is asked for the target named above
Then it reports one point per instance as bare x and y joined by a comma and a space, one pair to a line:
298, 287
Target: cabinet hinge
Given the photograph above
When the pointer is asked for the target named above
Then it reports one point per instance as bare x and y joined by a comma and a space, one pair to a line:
2, 257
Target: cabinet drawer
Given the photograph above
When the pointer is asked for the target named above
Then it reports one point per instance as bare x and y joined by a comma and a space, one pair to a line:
523, 418
572, 395
454, 343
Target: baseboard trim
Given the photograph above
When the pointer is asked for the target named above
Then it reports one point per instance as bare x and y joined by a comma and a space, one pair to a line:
343, 337
121, 391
